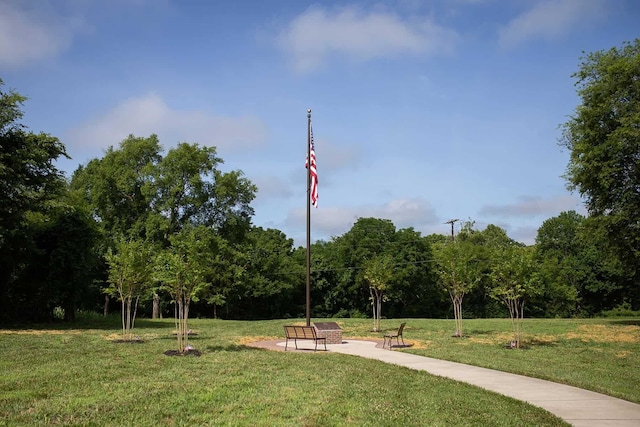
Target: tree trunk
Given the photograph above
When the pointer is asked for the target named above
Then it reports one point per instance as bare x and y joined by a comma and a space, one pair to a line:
155, 312
105, 310
187, 303
457, 313
69, 310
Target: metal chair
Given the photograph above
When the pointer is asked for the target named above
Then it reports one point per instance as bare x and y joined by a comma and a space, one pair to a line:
397, 336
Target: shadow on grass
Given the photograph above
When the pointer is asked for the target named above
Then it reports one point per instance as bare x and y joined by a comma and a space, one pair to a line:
97, 322
478, 332
399, 346
232, 347
540, 343
173, 337
628, 322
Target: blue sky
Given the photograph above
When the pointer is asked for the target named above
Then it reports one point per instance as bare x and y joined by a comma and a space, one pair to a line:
422, 111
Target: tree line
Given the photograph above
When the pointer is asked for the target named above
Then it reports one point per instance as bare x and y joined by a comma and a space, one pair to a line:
168, 233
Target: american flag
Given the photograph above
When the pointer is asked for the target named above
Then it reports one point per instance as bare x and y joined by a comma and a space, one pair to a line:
314, 172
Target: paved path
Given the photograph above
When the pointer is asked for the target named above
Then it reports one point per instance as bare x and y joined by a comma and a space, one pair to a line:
578, 407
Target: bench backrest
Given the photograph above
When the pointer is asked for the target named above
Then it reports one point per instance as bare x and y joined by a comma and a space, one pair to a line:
303, 332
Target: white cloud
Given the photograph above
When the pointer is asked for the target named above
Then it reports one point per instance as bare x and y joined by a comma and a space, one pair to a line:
271, 187
534, 206
352, 33
149, 114
334, 221
32, 31
549, 19
336, 157
525, 234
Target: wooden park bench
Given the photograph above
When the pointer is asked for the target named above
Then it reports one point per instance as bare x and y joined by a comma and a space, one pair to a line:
397, 335
296, 333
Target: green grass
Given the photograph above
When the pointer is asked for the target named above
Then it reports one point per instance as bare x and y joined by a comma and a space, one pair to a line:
602, 355
76, 375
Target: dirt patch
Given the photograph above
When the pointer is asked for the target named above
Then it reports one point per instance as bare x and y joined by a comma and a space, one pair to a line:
250, 340
606, 334
415, 344
500, 338
266, 344
40, 332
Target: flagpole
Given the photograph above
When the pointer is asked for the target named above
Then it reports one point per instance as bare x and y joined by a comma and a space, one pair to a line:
309, 218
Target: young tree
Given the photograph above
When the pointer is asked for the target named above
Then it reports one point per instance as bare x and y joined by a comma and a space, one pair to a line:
515, 279
184, 270
378, 273
459, 271
130, 267
603, 138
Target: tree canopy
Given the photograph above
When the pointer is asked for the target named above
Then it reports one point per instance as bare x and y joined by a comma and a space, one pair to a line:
30, 184
603, 137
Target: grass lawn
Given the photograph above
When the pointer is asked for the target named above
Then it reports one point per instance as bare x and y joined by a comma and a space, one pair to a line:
77, 375
602, 355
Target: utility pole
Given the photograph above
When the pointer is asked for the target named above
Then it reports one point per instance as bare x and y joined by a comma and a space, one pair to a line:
452, 221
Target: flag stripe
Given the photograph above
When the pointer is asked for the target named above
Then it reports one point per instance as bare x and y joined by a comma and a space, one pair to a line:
314, 172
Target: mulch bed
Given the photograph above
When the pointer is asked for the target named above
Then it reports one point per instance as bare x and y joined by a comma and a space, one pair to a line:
192, 352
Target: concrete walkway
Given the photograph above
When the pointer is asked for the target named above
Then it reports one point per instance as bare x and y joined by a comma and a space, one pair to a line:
578, 407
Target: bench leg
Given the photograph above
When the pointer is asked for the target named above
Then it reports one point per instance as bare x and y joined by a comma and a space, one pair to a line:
286, 343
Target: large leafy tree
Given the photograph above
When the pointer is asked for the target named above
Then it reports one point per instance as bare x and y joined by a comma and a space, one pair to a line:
136, 191
57, 268
187, 187
366, 239
29, 182
410, 289
414, 291
327, 297
559, 253
67, 257
603, 137
579, 274
115, 187
269, 275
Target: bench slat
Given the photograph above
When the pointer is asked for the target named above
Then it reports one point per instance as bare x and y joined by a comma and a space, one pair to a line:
303, 333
